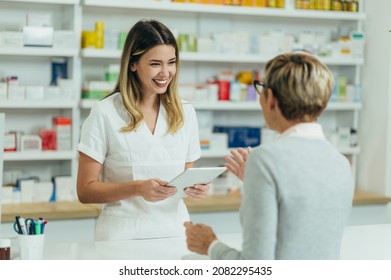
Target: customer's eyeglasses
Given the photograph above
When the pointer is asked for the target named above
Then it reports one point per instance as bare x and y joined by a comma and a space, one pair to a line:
259, 86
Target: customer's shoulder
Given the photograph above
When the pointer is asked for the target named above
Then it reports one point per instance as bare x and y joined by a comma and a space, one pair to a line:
266, 150
286, 145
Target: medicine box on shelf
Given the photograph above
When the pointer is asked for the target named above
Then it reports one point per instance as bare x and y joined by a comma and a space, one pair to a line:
239, 136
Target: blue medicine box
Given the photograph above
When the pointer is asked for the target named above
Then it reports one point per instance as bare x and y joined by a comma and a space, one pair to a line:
240, 136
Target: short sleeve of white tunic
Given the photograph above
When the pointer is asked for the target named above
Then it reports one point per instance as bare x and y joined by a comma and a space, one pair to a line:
100, 135
93, 140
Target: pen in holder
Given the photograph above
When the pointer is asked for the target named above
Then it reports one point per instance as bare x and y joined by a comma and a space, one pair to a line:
31, 237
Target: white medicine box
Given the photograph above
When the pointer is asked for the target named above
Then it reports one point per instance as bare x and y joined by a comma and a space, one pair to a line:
343, 136
16, 93
13, 38
67, 88
31, 143
64, 39
35, 93
39, 19
3, 91
38, 36
63, 127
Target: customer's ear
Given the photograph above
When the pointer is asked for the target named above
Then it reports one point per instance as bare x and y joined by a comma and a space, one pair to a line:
271, 100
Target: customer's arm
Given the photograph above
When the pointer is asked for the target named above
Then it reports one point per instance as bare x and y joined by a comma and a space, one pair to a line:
258, 215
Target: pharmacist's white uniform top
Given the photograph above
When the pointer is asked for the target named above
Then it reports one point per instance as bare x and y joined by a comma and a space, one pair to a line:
136, 156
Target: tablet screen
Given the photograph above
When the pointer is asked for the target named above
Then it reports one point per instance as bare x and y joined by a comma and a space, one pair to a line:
196, 176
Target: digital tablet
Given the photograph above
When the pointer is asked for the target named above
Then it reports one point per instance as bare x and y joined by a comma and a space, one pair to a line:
196, 176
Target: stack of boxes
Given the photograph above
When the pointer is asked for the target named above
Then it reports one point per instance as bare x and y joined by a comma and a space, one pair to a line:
38, 32
99, 89
102, 38
59, 137
247, 3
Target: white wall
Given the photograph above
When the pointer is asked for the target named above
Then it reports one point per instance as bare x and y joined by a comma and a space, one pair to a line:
374, 162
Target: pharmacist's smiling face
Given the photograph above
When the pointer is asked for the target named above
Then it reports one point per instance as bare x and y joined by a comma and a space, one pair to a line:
155, 69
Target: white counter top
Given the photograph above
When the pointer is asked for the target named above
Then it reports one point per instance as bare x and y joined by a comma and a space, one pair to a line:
145, 249
359, 242
370, 242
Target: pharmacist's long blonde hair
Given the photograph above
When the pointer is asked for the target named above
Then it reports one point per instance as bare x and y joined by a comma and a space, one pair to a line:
301, 84
143, 36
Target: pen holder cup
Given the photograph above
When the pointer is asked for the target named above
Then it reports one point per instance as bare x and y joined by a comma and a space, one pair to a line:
31, 246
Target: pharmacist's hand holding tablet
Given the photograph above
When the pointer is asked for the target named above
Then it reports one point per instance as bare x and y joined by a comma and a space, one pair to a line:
195, 182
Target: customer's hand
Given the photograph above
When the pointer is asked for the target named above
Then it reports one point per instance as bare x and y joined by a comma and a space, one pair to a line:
199, 237
154, 190
198, 191
236, 162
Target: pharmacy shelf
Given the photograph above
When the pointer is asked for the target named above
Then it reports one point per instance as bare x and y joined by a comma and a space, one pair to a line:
253, 58
38, 104
56, 2
342, 60
340, 106
223, 105
228, 106
100, 53
214, 153
241, 105
34, 64
38, 51
219, 153
253, 105
288, 12
349, 150
220, 57
86, 103
37, 156
238, 17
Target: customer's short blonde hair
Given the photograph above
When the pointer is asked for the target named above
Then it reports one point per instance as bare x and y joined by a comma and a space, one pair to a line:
301, 84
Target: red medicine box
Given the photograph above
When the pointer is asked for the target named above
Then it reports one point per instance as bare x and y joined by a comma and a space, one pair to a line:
10, 142
49, 139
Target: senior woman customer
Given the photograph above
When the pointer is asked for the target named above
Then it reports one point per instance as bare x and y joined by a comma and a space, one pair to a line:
298, 190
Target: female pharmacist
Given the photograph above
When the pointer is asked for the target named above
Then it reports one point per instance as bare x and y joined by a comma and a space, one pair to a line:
138, 138
298, 190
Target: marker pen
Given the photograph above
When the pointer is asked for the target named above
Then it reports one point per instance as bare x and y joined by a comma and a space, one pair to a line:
38, 227
22, 226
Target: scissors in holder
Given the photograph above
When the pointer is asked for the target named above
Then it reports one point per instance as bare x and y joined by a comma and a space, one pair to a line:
24, 226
